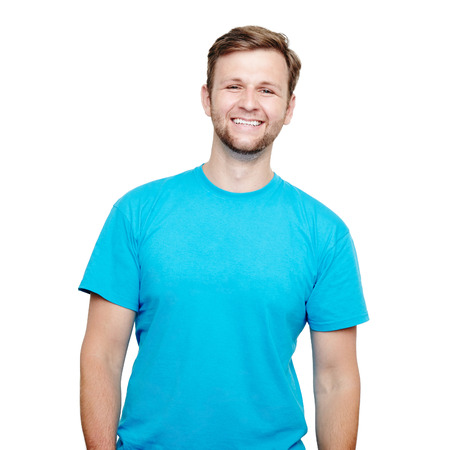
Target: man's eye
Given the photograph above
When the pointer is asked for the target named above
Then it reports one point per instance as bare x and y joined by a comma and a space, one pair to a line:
266, 91
233, 87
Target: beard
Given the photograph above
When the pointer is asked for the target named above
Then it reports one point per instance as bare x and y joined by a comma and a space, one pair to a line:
244, 151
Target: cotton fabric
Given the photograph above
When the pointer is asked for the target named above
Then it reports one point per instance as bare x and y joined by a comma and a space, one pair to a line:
222, 285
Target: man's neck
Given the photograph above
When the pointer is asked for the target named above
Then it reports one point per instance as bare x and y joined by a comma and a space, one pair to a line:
235, 175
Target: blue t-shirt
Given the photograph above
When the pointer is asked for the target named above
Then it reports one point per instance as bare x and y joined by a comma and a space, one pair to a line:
222, 283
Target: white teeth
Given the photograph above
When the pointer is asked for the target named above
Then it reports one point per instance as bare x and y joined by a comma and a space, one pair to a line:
253, 123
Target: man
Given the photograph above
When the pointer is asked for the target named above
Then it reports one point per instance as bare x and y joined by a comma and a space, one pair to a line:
220, 268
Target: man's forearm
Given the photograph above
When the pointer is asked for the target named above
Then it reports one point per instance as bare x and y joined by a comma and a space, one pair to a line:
337, 414
100, 402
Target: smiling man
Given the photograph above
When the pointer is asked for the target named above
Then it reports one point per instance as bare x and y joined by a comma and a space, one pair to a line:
220, 268
248, 111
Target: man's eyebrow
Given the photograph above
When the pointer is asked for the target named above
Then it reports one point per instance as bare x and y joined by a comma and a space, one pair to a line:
270, 83
232, 80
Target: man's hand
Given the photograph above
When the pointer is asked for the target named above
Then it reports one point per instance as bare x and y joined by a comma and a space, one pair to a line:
336, 388
102, 357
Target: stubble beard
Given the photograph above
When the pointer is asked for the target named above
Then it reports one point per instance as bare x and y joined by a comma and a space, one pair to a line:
240, 152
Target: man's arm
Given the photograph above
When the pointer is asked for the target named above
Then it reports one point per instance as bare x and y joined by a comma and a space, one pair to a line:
336, 388
103, 353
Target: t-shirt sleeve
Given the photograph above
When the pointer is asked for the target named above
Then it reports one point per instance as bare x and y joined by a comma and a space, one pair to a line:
337, 299
113, 269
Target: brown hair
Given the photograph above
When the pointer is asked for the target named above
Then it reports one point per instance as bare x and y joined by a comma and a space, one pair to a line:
253, 38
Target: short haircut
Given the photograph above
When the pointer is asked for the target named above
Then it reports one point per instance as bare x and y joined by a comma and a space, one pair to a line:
254, 38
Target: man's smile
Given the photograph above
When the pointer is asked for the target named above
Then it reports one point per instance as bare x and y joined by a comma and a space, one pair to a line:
253, 123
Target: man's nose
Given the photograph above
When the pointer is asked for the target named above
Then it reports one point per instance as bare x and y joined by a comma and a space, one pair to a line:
249, 100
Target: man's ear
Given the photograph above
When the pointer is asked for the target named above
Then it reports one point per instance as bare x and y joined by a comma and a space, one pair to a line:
206, 100
290, 110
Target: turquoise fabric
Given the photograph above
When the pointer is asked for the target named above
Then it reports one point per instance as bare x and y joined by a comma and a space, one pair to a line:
222, 284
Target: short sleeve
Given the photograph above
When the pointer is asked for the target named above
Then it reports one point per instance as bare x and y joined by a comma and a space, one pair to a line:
113, 269
337, 299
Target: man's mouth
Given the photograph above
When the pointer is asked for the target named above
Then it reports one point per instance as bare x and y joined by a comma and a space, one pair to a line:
250, 123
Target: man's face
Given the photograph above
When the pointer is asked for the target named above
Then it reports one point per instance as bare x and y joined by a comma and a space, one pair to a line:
249, 101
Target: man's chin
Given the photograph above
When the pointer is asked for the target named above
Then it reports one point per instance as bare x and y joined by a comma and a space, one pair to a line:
241, 149
244, 154
245, 151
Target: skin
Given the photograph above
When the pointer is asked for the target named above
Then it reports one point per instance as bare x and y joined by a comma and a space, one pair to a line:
250, 85
336, 388
102, 357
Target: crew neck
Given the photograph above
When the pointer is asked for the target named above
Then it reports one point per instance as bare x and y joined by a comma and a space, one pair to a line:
207, 184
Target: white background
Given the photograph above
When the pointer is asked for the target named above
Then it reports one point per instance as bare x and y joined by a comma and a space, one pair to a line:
98, 97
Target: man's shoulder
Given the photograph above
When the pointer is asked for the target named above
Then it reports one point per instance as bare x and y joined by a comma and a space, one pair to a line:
143, 198
148, 191
313, 211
